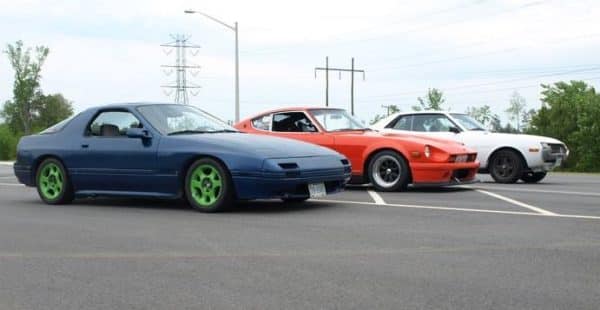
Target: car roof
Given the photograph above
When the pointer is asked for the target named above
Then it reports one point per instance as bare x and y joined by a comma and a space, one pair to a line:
289, 109
428, 112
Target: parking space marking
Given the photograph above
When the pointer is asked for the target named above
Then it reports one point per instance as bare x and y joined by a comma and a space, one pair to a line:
525, 190
376, 197
515, 202
553, 215
11, 184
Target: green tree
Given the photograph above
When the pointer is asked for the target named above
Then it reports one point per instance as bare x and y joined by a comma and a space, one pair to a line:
482, 114
50, 109
516, 107
570, 112
433, 101
19, 112
390, 109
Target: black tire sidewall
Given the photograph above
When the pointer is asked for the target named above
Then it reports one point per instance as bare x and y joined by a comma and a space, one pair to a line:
518, 169
66, 195
404, 177
534, 177
225, 198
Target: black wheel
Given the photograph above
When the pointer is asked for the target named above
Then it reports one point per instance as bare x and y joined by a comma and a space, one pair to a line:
208, 186
388, 171
53, 183
506, 166
295, 200
533, 177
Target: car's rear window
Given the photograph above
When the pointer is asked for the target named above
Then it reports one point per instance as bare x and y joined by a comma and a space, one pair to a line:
58, 126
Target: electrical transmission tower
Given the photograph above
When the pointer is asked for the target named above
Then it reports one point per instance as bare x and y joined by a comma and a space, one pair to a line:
181, 85
339, 70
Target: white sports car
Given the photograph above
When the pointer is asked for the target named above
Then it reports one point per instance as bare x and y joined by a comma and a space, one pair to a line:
507, 157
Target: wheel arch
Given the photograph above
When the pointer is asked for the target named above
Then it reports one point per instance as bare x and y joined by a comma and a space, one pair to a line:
374, 152
40, 159
190, 161
507, 148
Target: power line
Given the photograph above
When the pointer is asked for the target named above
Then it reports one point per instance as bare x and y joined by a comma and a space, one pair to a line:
181, 67
494, 83
339, 70
330, 41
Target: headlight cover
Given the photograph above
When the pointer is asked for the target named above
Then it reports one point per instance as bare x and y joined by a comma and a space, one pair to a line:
427, 151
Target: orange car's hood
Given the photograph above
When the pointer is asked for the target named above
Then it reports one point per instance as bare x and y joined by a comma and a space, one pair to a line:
450, 146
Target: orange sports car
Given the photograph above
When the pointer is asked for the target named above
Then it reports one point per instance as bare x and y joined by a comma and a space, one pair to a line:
389, 161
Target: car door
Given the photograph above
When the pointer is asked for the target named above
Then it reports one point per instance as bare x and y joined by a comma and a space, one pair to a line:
109, 160
297, 125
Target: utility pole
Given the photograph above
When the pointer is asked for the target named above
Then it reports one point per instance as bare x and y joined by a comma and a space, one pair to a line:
387, 108
181, 67
352, 70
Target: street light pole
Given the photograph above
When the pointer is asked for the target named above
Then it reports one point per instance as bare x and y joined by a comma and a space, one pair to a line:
237, 58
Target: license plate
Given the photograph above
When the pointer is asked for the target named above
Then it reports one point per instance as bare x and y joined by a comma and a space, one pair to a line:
317, 190
461, 158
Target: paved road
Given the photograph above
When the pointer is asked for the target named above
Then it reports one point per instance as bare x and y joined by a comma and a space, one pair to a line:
483, 248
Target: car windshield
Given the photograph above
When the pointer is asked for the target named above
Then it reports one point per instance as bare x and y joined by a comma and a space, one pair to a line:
171, 119
468, 122
336, 120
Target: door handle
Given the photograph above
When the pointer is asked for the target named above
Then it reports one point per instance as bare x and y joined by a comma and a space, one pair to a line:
85, 146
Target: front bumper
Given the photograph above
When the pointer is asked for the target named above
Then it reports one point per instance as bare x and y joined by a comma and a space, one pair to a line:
267, 187
552, 156
23, 174
443, 174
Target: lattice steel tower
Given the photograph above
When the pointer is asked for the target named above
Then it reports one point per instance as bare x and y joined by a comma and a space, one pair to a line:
181, 85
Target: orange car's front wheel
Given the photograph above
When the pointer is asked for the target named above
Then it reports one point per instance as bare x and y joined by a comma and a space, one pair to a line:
388, 171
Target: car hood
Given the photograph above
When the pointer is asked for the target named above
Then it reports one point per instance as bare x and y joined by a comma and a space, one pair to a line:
260, 145
447, 145
512, 138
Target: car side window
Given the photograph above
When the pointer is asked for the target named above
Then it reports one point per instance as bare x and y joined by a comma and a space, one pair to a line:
403, 123
431, 123
113, 124
262, 122
292, 122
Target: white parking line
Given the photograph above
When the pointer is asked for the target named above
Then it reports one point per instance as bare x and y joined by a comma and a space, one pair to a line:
554, 215
11, 184
525, 190
375, 196
515, 202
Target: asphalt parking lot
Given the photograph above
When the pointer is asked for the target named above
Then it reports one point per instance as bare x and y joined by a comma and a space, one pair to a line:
485, 246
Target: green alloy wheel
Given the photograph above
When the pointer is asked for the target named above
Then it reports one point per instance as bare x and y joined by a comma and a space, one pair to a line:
208, 186
52, 182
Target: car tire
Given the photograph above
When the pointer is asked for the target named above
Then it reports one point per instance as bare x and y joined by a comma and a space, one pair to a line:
208, 186
53, 183
388, 172
506, 166
533, 177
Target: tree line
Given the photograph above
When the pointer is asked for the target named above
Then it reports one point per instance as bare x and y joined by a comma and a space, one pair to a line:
570, 112
30, 110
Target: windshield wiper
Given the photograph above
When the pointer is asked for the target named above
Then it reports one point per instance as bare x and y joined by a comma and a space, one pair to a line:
186, 132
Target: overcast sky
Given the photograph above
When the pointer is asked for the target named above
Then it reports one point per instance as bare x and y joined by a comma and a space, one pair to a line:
477, 52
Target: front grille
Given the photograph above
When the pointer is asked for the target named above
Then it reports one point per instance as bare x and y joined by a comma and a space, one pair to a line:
557, 148
460, 174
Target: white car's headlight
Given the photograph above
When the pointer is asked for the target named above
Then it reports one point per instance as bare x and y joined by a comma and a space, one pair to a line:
545, 145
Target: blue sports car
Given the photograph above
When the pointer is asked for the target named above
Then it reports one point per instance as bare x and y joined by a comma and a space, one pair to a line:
172, 151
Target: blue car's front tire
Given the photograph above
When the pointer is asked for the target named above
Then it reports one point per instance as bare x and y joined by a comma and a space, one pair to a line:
208, 186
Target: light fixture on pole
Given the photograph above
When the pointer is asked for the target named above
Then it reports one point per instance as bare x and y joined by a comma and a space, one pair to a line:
237, 58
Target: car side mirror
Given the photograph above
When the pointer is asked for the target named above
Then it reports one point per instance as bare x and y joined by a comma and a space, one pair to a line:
454, 129
138, 133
